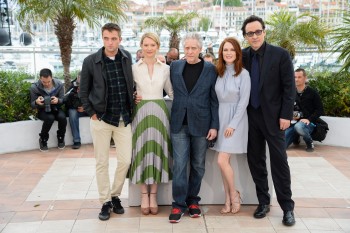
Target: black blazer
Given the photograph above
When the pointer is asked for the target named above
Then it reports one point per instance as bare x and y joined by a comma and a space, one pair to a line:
277, 85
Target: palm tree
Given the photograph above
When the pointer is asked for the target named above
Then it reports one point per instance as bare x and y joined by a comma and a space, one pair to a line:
341, 41
293, 32
174, 23
204, 24
63, 14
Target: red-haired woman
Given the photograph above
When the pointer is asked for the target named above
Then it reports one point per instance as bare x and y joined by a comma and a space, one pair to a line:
233, 91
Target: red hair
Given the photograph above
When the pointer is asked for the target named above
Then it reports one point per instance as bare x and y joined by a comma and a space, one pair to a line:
221, 64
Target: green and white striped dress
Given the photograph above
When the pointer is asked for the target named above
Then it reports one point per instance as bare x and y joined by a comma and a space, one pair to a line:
151, 146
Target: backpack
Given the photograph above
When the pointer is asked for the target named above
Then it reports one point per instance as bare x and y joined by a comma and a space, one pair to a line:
320, 132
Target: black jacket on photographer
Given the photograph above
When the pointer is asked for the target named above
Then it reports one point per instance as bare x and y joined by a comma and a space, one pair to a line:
71, 98
37, 89
308, 102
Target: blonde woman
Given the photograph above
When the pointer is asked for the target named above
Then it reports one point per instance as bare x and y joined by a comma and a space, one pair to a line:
151, 151
233, 90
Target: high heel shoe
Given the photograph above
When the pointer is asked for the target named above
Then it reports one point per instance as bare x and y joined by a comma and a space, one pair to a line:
153, 203
226, 209
145, 209
236, 203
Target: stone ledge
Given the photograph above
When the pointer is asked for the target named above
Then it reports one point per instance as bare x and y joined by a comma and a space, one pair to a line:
24, 135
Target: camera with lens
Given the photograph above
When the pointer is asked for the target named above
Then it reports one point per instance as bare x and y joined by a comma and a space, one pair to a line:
297, 111
71, 98
48, 106
297, 114
47, 103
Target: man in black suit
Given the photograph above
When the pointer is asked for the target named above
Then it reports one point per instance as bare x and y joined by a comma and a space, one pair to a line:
269, 112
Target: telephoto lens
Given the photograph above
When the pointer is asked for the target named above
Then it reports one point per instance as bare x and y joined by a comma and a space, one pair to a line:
47, 103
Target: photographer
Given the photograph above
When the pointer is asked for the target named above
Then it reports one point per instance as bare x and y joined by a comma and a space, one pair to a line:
46, 95
75, 110
307, 109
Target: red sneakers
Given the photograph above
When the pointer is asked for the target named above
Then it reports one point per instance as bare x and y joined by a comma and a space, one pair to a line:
175, 215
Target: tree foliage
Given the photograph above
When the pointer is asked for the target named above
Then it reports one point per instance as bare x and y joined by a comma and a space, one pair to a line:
294, 32
174, 23
204, 24
341, 41
235, 3
63, 14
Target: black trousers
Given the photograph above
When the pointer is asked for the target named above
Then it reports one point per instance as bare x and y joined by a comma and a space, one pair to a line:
49, 118
257, 137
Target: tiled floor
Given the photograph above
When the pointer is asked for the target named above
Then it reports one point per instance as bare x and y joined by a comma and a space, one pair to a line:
56, 192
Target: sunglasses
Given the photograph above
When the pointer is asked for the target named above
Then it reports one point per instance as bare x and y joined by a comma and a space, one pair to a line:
257, 32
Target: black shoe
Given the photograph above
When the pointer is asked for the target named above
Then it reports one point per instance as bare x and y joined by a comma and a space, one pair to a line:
288, 218
310, 147
194, 211
296, 141
175, 215
261, 211
105, 211
43, 145
61, 144
117, 206
76, 145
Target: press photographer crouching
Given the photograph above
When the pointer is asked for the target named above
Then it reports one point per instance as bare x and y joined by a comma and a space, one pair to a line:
307, 109
75, 110
46, 95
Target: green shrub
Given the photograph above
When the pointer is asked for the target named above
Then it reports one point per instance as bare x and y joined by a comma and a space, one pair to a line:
334, 89
14, 97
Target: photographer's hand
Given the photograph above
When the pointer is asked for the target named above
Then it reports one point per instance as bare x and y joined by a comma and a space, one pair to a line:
54, 100
40, 100
306, 121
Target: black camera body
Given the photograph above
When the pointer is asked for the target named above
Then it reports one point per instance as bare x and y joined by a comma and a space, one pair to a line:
297, 111
72, 99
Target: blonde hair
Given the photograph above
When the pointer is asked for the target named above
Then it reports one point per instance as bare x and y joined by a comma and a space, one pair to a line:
151, 36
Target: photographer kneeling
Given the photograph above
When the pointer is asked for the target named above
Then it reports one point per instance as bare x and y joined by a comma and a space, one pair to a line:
75, 110
46, 95
307, 109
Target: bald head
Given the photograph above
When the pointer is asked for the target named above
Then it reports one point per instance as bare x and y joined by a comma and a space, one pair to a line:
172, 55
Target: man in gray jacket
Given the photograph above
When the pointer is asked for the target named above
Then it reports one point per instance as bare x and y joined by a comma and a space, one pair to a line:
46, 95
106, 91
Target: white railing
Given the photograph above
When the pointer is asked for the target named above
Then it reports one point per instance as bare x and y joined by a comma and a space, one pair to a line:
31, 59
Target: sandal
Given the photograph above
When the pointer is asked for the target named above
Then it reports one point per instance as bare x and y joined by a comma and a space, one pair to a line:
153, 203
145, 209
226, 209
236, 203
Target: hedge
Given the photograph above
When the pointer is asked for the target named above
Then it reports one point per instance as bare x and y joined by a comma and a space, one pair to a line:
334, 89
14, 96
